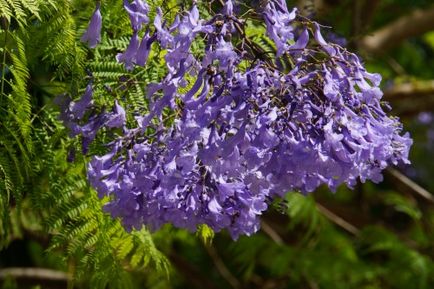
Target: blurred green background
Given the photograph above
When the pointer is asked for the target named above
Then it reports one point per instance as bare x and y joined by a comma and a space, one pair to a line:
54, 233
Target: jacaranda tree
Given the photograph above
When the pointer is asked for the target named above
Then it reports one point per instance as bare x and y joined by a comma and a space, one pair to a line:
214, 117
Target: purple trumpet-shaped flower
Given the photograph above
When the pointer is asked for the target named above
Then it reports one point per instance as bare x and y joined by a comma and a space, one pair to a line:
228, 8
129, 56
93, 33
278, 21
78, 109
164, 37
138, 12
73, 111
117, 118
144, 49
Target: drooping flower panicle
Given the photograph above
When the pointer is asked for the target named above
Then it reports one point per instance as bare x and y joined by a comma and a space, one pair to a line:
239, 136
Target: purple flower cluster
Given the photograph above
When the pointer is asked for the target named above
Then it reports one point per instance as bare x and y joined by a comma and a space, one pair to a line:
239, 136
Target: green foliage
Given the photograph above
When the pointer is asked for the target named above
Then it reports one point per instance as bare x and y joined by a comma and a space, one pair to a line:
21, 10
39, 191
16, 146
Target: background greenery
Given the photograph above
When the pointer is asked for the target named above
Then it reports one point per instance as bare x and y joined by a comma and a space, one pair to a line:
52, 223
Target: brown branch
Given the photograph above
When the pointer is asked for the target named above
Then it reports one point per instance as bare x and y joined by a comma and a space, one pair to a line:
362, 14
411, 89
221, 267
35, 274
268, 230
414, 187
279, 235
368, 12
337, 220
396, 66
414, 24
409, 99
312, 284
308, 7
316, 8
357, 18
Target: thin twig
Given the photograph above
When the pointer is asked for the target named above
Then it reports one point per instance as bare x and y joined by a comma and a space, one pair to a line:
397, 68
312, 284
221, 267
415, 188
271, 233
260, 53
338, 220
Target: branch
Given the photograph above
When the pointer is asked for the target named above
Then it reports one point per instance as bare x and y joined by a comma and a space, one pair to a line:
416, 23
337, 220
256, 49
368, 11
271, 233
411, 89
34, 273
411, 98
357, 17
414, 187
308, 8
221, 268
